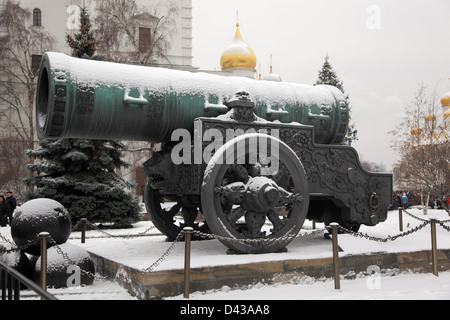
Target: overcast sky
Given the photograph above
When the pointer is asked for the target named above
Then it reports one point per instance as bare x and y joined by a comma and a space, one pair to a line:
381, 49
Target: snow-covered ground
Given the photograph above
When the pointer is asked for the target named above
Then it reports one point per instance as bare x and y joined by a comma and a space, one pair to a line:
405, 286
142, 252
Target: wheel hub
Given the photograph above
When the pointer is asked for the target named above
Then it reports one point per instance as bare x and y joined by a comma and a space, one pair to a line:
262, 195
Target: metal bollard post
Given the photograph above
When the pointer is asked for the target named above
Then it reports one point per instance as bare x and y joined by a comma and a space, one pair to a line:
83, 230
434, 247
9, 281
334, 228
16, 286
187, 260
43, 237
400, 218
3, 283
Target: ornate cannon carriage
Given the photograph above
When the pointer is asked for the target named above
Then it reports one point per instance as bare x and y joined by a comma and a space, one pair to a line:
243, 159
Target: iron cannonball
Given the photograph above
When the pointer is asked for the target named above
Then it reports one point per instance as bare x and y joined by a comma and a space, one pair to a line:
65, 272
36, 216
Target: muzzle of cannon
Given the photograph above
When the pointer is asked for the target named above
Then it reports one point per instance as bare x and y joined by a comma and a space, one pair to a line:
81, 98
270, 153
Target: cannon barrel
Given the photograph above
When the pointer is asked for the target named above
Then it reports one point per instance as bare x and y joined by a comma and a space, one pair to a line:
79, 98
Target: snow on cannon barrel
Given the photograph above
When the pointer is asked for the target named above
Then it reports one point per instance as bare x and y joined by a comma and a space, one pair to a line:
242, 159
81, 98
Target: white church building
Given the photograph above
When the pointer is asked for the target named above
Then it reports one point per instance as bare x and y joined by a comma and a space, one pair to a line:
61, 17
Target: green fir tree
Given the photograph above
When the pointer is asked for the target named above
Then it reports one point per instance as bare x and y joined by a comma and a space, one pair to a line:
80, 174
84, 44
328, 76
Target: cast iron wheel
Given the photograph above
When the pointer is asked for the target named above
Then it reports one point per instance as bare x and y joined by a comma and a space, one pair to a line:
171, 219
241, 203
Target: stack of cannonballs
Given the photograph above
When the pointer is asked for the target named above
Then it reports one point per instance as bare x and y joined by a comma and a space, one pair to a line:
46, 215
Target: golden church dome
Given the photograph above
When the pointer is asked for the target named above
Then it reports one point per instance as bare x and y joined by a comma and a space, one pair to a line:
238, 55
445, 100
416, 132
447, 114
430, 118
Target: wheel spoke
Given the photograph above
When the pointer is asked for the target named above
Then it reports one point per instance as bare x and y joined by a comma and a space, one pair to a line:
277, 223
189, 216
235, 215
168, 220
255, 221
172, 212
288, 198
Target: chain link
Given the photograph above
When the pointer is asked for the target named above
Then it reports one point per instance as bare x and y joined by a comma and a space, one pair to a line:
441, 223
389, 238
289, 237
421, 219
108, 235
165, 254
66, 256
14, 247
415, 217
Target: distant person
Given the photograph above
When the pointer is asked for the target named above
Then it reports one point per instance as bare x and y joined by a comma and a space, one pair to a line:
438, 204
404, 200
399, 200
3, 212
11, 204
394, 198
431, 203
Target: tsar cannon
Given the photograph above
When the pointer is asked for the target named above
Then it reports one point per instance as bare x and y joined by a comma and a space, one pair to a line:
246, 160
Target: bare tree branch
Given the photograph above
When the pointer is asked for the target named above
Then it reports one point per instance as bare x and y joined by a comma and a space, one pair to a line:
19, 40
422, 144
118, 23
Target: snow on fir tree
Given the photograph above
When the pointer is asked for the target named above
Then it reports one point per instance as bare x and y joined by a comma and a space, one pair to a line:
84, 44
80, 174
328, 76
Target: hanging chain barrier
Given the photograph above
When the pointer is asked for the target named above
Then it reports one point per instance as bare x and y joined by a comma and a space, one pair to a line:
81, 225
182, 235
